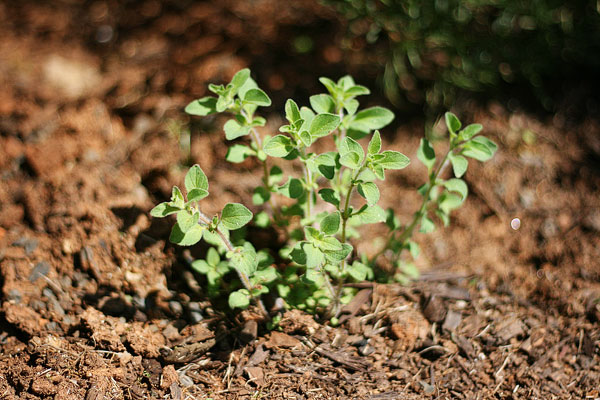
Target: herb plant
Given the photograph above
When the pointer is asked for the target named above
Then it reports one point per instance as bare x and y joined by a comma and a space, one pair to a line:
314, 209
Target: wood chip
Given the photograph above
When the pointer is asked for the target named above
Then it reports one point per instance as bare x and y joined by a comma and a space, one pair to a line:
256, 375
280, 339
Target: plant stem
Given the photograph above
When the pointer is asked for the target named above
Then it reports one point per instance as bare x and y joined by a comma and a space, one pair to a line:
243, 277
336, 299
408, 231
265, 179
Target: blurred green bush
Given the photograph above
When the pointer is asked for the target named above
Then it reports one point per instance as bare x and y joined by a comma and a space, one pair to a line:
433, 50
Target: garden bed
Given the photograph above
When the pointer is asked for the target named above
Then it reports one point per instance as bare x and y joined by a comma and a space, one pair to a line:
96, 304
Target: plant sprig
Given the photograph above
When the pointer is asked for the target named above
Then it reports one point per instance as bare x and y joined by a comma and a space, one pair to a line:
321, 210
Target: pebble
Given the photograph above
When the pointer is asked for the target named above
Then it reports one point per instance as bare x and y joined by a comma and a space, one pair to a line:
41, 269
15, 296
28, 244
196, 317
176, 307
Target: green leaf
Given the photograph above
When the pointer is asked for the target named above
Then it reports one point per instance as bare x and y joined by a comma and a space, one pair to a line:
262, 219
480, 148
326, 164
459, 164
358, 271
426, 154
235, 215
224, 102
212, 257
449, 202
257, 97
261, 195
331, 223
320, 241
314, 256
345, 82
330, 85
457, 185
357, 90
244, 259
292, 112
375, 144
195, 179
330, 196
238, 153
470, 131
370, 215
186, 220
177, 198
275, 175
413, 248
189, 238
337, 256
306, 138
278, 146
371, 118
351, 160
452, 123
349, 146
322, 103
249, 84
323, 124
264, 276
239, 79
369, 191
427, 225
239, 299
196, 195
202, 107
293, 188
351, 106
233, 129
163, 209
201, 266
393, 160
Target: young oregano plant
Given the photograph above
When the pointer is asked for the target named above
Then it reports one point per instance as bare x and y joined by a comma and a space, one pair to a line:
318, 211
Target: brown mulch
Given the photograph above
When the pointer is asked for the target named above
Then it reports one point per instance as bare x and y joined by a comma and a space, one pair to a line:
96, 305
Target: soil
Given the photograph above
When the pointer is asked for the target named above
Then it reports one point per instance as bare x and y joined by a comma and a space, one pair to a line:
96, 304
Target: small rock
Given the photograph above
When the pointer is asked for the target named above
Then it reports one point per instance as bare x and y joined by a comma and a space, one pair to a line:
15, 296
196, 317
176, 307
41, 269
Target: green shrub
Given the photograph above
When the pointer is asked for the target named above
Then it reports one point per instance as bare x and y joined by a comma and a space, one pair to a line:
432, 50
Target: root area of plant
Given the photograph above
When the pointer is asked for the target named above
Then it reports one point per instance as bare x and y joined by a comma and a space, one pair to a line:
95, 304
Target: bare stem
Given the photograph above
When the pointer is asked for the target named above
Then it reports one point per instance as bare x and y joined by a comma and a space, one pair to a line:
408, 231
243, 277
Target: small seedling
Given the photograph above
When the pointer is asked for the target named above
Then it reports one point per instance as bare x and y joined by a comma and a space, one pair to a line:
317, 211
